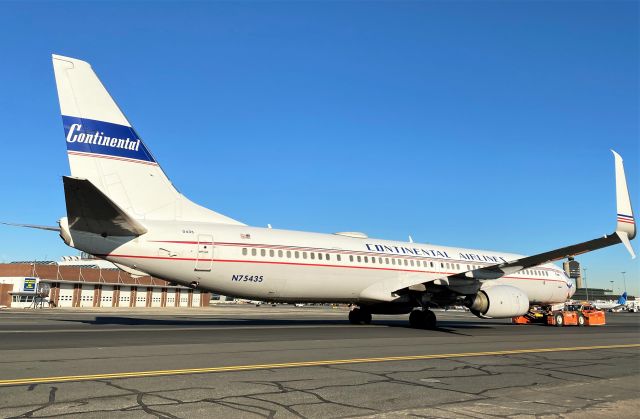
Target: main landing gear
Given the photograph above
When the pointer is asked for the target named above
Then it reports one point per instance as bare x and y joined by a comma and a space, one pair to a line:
422, 319
418, 319
359, 316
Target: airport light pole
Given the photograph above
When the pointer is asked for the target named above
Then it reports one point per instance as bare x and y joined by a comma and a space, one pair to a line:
611, 287
586, 285
624, 280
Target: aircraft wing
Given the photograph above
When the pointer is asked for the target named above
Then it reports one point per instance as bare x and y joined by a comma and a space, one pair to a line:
469, 282
624, 233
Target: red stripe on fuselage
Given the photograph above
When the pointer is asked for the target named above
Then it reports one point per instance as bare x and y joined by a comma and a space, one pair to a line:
306, 264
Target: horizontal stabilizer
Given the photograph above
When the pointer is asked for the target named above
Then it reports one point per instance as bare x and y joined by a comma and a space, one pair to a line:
91, 211
37, 227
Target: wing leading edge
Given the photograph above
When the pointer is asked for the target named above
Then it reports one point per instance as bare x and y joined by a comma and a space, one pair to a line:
625, 232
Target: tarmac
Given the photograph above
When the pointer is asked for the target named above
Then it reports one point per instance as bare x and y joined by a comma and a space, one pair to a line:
284, 361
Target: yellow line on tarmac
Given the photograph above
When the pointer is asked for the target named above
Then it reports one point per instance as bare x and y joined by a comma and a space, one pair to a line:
138, 374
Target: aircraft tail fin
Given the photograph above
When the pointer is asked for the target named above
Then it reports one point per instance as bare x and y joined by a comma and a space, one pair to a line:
103, 148
622, 300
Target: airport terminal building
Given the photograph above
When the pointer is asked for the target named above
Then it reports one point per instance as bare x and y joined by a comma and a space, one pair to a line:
88, 283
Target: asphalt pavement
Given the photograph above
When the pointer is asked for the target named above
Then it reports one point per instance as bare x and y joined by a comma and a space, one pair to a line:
284, 361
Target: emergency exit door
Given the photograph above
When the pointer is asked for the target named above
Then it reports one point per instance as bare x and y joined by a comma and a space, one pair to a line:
204, 252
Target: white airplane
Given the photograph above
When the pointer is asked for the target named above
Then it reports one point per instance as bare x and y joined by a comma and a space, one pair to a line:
122, 207
611, 304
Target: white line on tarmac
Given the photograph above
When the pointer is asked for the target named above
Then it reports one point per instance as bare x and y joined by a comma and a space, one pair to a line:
181, 329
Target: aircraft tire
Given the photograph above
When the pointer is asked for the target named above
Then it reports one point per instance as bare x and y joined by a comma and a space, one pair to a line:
354, 316
422, 319
430, 318
359, 316
416, 319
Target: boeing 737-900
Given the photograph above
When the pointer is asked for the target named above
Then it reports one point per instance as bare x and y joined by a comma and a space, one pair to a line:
122, 207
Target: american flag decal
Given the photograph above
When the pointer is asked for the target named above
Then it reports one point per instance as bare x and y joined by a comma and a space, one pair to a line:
625, 219
245, 236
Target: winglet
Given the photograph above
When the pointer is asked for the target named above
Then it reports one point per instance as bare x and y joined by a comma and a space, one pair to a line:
626, 227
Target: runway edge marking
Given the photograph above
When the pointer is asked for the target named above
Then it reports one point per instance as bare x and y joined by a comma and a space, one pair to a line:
140, 374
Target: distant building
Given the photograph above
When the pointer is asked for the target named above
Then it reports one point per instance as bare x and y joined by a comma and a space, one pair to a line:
572, 269
596, 294
77, 281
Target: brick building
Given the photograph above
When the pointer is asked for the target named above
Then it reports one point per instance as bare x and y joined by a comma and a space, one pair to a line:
87, 284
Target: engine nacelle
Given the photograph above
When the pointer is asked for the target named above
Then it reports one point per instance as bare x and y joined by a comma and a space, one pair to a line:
500, 301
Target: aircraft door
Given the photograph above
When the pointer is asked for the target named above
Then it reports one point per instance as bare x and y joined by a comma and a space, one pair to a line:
204, 252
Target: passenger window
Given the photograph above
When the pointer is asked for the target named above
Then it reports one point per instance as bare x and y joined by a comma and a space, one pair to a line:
386, 260
244, 251
253, 252
327, 256
312, 255
263, 252
271, 253
380, 261
289, 254
441, 265
339, 258
366, 259
411, 262
406, 262
350, 258
393, 261
431, 263
359, 258
373, 259
279, 253
297, 254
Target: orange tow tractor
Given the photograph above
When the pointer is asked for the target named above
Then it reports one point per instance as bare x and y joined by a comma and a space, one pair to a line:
576, 315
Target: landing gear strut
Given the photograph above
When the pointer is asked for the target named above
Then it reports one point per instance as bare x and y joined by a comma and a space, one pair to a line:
422, 319
359, 316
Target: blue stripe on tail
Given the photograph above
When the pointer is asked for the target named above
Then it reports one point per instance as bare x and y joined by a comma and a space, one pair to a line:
99, 137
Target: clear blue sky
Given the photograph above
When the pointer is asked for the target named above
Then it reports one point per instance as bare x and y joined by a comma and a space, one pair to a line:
479, 124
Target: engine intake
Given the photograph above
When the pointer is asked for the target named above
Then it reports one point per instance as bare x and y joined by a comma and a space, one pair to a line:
499, 301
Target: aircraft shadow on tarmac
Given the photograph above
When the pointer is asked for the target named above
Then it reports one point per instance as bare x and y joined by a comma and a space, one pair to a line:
444, 326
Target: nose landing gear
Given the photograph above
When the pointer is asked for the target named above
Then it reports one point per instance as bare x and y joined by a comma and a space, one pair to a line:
359, 316
422, 319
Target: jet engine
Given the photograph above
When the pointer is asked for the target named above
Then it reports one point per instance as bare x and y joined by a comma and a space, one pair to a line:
499, 301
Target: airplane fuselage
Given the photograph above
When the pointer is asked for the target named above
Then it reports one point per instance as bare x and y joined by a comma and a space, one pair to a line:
282, 265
